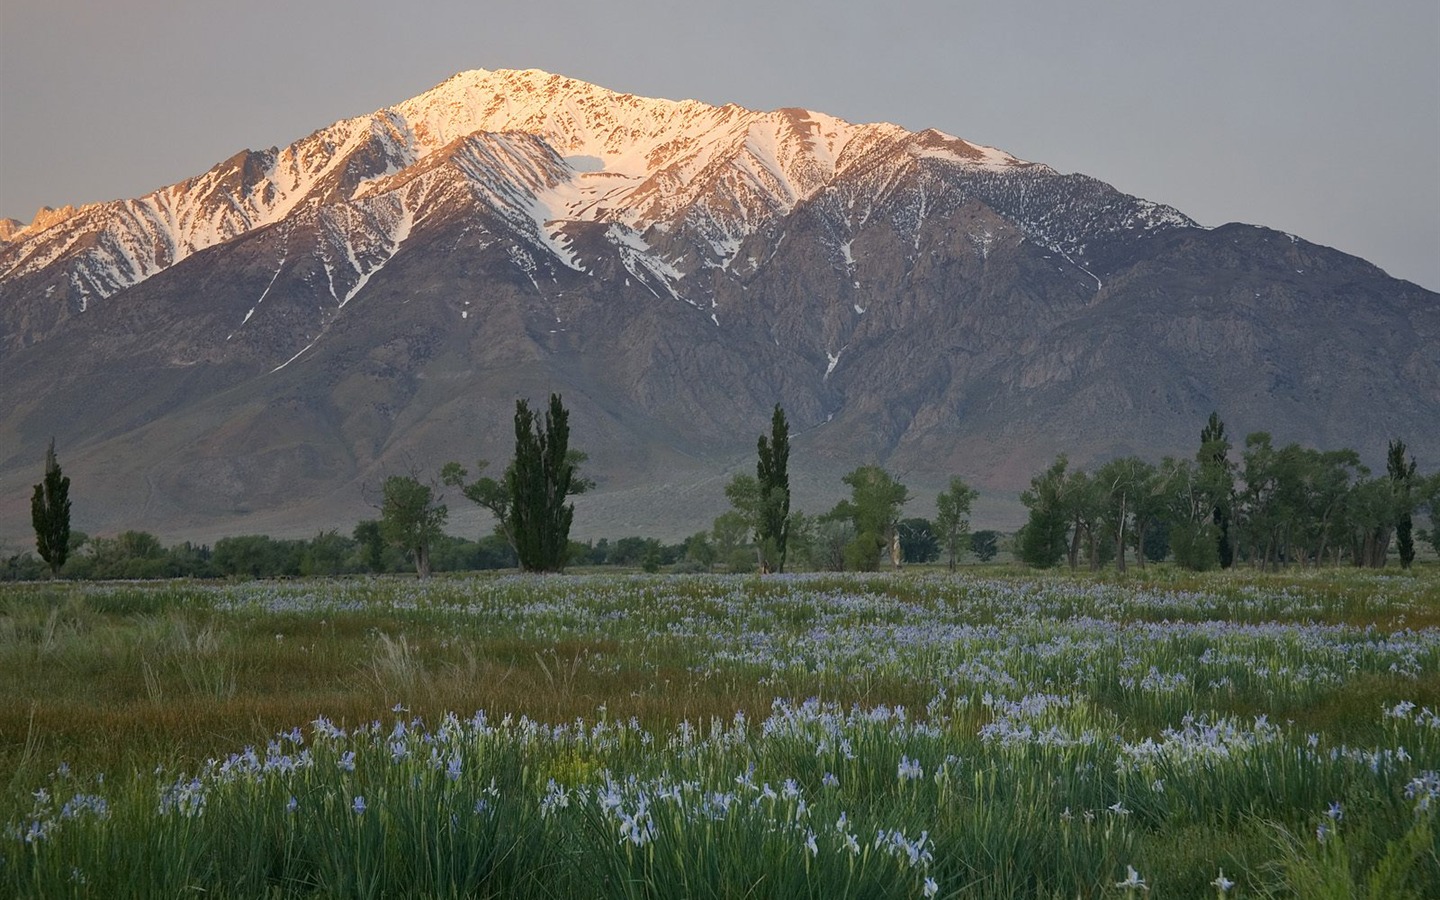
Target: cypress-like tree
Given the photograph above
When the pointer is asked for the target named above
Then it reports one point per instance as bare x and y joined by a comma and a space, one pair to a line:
772, 471
539, 479
1218, 481
1402, 476
50, 513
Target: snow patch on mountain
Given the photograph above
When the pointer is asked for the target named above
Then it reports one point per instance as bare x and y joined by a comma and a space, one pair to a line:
537, 154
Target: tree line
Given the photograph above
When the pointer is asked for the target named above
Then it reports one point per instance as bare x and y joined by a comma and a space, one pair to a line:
1272, 506
1267, 506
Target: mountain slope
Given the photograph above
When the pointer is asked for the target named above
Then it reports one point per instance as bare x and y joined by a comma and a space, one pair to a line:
256, 347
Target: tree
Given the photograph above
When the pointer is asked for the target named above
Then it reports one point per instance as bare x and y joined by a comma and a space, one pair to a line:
1188, 510
411, 516
918, 541
731, 528
985, 544
50, 513
1128, 485
1428, 491
372, 544
1370, 514
1042, 540
952, 518
700, 551
874, 510
772, 476
487, 492
1402, 482
1218, 480
743, 520
528, 500
326, 554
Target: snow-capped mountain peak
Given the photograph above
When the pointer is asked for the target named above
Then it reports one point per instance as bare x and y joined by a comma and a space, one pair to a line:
541, 152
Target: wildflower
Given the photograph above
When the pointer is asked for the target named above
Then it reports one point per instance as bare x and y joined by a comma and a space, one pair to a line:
909, 769
1223, 884
347, 761
852, 844
292, 805
359, 804
1322, 832
810, 843
1336, 812
1118, 808
1132, 881
830, 780
556, 797
931, 888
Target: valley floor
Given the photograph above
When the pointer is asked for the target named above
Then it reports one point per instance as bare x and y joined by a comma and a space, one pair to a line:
992, 734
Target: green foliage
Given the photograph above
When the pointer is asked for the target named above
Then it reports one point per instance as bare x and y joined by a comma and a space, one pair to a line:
952, 518
874, 511
1041, 542
258, 556
528, 500
1018, 735
1195, 546
1402, 484
918, 541
699, 550
772, 482
985, 544
371, 540
411, 518
1216, 484
540, 480
50, 513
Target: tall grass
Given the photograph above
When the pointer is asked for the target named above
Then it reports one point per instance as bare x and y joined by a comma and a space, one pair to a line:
997, 737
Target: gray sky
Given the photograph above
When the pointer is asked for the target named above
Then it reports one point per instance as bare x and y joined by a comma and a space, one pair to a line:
1317, 117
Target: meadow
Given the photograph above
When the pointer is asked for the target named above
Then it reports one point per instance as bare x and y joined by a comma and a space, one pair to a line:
995, 733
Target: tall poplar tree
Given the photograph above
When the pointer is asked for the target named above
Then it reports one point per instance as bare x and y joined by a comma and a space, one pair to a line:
540, 479
50, 513
1402, 477
1218, 480
772, 471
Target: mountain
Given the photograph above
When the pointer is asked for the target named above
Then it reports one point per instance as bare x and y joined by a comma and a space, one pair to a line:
256, 347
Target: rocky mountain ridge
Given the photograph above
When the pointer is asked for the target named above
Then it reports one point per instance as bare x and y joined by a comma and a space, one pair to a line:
259, 343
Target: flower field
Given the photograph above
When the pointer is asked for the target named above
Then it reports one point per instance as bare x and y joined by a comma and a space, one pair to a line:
1003, 735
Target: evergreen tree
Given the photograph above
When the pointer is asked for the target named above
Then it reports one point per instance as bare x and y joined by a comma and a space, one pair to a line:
773, 475
1402, 478
50, 513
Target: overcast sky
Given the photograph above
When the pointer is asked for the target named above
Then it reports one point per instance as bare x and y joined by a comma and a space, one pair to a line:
1317, 117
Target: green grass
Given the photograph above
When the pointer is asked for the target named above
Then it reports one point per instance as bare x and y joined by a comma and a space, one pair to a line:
654, 736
